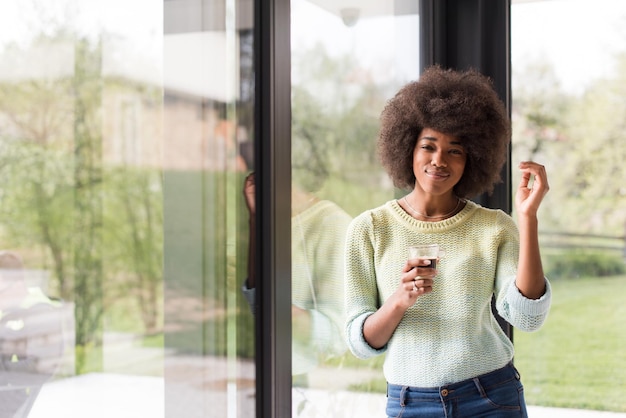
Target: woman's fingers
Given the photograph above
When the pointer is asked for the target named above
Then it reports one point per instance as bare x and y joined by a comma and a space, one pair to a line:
533, 186
418, 280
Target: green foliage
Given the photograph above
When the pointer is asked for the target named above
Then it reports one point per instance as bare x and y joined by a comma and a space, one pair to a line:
89, 358
580, 140
133, 239
97, 229
153, 341
354, 197
574, 264
87, 210
335, 121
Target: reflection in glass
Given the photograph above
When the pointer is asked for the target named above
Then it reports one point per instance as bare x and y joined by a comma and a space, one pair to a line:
209, 333
341, 78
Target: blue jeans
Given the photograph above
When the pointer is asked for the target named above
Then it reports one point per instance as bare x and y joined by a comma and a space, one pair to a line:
496, 394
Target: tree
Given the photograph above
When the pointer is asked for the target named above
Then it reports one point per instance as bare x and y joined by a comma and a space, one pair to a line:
335, 110
595, 172
88, 268
580, 138
58, 193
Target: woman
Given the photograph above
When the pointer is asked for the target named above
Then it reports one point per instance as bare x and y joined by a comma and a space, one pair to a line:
443, 138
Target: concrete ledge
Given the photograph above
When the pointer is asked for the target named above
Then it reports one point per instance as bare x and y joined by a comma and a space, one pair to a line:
125, 396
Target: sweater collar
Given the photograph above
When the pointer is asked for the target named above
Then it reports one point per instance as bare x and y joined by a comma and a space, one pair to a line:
406, 218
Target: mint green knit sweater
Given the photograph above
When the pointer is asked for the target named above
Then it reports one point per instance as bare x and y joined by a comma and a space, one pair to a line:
449, 335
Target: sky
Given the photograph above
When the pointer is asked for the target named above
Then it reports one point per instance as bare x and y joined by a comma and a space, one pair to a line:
139, 20
579, 40
579, 37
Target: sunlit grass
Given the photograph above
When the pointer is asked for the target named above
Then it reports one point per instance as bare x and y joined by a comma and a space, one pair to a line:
578, 358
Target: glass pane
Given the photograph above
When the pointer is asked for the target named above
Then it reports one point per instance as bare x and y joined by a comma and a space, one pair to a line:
209, 334
80, 151
569, 102
341, 78
123, 229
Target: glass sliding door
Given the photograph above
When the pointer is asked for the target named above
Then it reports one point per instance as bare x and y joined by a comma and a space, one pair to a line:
81, 230
569, 89
207, 132
125, 139
347, 59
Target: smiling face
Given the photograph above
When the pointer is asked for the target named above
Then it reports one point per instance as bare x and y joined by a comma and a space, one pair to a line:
438, 162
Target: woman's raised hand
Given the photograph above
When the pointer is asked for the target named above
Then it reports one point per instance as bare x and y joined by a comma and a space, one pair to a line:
533, 186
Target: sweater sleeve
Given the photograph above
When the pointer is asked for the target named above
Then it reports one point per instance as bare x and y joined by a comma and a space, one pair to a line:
521, 312
361, 292
328, 317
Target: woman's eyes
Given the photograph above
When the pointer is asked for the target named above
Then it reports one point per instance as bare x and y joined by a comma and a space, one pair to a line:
454, 151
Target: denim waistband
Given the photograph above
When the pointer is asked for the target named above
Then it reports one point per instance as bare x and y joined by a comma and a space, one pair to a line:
496, 377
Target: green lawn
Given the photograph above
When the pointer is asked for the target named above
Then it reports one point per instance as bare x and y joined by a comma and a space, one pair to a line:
578, 358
